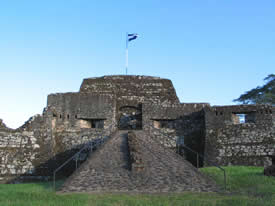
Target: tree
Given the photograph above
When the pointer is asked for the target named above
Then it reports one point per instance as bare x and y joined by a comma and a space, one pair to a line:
260, 95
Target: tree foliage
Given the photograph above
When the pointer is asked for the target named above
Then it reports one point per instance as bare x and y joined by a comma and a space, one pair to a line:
260, 95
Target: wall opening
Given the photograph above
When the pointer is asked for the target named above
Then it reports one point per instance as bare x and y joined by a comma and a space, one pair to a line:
241, 118
130, 117
163, 123
91, 123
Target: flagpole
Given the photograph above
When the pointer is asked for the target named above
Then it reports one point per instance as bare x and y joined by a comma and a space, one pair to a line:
126, 53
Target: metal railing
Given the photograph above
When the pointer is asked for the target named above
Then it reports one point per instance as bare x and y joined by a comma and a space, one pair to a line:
203, 157
88, 146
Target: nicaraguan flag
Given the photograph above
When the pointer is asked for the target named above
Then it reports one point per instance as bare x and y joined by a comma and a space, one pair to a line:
132, 37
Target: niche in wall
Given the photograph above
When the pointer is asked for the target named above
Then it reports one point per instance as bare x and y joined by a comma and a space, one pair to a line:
91, 123
163, 123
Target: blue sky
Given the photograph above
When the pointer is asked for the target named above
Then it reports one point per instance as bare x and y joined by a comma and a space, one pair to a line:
213, 51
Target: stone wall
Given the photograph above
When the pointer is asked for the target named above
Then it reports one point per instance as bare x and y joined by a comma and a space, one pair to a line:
176, 125
77, 118
136, 161
129, 88
18, 151
234, 142
131, 92
26, 150
45, 141
173, 118
34, 151
66, 110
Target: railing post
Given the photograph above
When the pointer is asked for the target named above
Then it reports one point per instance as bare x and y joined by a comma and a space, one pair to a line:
224, 176
76, 159
204, 157
54, 181
89, 145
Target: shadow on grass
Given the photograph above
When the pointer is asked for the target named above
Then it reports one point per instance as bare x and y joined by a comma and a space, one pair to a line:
49, 185
261, 174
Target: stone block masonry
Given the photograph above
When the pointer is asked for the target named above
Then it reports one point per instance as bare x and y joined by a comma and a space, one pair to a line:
17, 152
24, 151
243, 142
137, 164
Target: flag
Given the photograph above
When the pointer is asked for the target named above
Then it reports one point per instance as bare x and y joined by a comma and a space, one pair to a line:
132, 37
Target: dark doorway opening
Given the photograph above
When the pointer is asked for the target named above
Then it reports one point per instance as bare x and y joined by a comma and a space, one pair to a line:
130, 118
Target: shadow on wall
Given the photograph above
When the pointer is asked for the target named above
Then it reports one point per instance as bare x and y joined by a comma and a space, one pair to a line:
192, 128
44, 171
187, 130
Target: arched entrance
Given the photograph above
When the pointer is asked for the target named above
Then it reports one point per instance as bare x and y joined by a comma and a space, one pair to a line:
130, 117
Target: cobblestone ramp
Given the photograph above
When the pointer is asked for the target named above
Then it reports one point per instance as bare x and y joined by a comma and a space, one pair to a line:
109, 170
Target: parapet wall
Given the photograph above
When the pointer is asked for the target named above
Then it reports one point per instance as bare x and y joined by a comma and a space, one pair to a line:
129, 88
233, 141
77, 118
68, 108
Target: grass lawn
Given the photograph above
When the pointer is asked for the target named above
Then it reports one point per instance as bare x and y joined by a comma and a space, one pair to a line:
247, 187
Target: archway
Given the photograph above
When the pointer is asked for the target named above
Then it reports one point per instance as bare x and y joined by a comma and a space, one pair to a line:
130, 117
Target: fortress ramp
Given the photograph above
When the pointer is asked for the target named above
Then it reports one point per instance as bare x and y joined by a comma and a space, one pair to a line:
110, 169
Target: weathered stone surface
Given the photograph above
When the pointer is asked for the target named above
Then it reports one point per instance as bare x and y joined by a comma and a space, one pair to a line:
132, 88
136, 161
231, 143
24, 150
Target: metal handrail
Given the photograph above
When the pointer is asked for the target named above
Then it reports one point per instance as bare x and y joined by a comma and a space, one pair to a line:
76, 155
198, 155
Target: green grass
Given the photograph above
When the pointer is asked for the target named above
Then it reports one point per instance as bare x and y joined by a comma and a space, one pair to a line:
247, 187
247, 180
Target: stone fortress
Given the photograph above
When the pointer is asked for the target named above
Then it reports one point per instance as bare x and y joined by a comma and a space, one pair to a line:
111, 106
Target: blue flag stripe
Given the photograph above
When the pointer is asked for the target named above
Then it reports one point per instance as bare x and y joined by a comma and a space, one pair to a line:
132, 37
